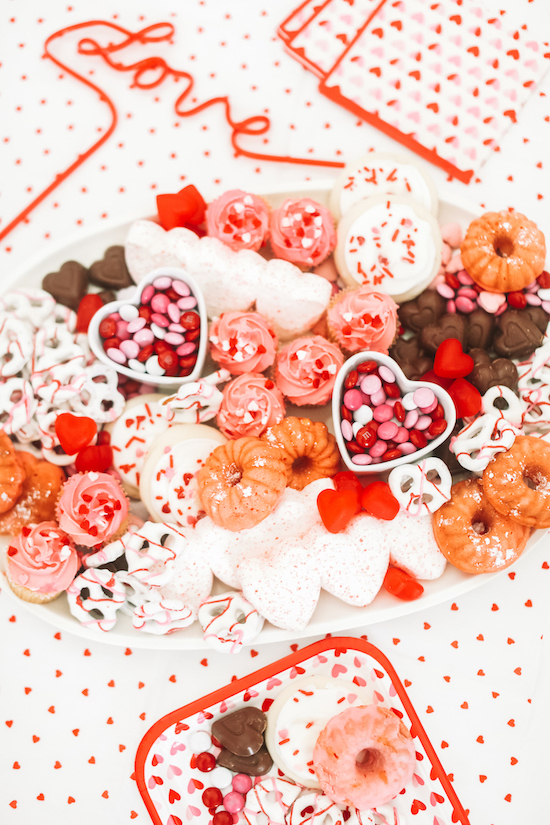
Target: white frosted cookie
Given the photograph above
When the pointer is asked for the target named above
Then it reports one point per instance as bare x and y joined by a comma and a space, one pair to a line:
388, 243
297, 717
131, 436
168, 484
382, 173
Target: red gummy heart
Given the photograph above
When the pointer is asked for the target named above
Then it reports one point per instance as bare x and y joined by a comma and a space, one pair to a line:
467, 399
74, 432
186, 208
379, 501
346, 480
451, 361
437, 379
95, 459
400, 584
336, 508
87, 308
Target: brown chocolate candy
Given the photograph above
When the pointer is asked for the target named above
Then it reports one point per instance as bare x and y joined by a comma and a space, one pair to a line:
424, 311
241, 732
481, 329
489, 372
517, 334
411, 357
256, 765
69, 285
450, 325
538, 316
107, 296
111, 272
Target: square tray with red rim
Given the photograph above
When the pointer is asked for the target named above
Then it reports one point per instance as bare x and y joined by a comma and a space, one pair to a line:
171, 785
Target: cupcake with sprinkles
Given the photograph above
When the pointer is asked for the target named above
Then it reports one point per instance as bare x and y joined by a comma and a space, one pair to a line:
41, 563
239, 219
92, 509
251, 403
362, 319
302, 232
242, 342
306, 370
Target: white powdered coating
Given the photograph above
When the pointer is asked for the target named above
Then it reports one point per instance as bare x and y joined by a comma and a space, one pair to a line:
413, 548
387, 176
192, 579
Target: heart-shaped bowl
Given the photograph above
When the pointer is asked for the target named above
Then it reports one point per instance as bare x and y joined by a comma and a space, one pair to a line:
96, 341
405, 385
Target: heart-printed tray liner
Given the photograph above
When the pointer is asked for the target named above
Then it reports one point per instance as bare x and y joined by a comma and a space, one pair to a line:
171, 787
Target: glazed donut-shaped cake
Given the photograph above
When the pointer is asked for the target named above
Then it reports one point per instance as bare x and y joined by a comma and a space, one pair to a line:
307, 449
503, 251
474, 536
364, 757
506, 482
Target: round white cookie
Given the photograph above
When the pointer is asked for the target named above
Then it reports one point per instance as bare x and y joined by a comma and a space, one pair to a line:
297, 717
382, 173
389, 244
132, 434
168, 484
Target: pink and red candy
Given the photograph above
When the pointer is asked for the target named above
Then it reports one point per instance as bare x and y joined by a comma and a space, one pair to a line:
160, 335
462, 295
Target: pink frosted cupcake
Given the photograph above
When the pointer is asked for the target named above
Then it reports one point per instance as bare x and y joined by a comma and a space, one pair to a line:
238, 219
92, 508
306, 370
41, 562
251, 403
242, 342
362, 319
302, 232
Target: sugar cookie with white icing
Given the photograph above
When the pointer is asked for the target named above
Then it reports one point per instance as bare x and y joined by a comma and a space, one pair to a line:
382, 173
389, 243
168, 483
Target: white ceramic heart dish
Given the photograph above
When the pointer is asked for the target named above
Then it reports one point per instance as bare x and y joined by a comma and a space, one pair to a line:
96, 341
405, 386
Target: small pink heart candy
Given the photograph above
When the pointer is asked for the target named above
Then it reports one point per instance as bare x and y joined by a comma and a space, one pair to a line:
491, 301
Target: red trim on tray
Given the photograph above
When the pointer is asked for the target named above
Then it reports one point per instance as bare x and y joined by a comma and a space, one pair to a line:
342, 643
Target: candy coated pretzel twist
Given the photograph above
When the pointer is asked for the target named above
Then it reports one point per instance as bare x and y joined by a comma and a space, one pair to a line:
479, 442
17, 404
196, 402
151, 552
99, 400
161, 616
34, 306
416, 491
513, 413
89, 592
229, 621
16, 344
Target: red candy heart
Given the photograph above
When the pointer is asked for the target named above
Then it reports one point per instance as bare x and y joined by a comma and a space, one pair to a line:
379, 501
451, 361
346, 480
337, 508
87, 308
400, 584
467, 399
74, 432
436, 379
95, 459
186, 208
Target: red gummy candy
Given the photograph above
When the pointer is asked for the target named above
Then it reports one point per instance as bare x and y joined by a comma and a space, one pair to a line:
346, 480
186, 208
336, 508
74, 432
87, 308
451, 361
379, 501
95, 459
400, 584
436, 379
467, 399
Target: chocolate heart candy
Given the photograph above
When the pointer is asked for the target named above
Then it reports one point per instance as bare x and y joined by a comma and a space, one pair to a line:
111, 272
424, 311
69, 285
241, 732
489, 373
480, 329
256, 765
517, 334
539, 316
107, 296
411, 358
449, 325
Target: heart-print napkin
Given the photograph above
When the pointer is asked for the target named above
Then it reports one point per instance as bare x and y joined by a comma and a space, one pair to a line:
446, 79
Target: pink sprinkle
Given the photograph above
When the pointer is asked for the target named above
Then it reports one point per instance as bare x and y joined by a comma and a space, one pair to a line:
181, 288
147, 294
187, 303
383, 413
163, 282
136, 325
445, 291
186, 349
116, 355
361, 458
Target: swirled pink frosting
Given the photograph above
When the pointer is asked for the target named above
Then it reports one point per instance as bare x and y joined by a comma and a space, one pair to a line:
364, 319
251, 403
238, 219
242, 342
306, 370
302, 231
91, 508
42, 558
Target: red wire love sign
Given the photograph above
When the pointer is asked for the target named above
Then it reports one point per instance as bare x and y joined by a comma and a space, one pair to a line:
147, 74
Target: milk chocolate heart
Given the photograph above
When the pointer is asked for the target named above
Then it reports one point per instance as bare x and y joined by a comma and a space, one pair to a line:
411, 357
111, 272
489, 373
256, 765
538, 316
517, 334
450, 325
424, 311
69, 285
241, 732
481, 329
